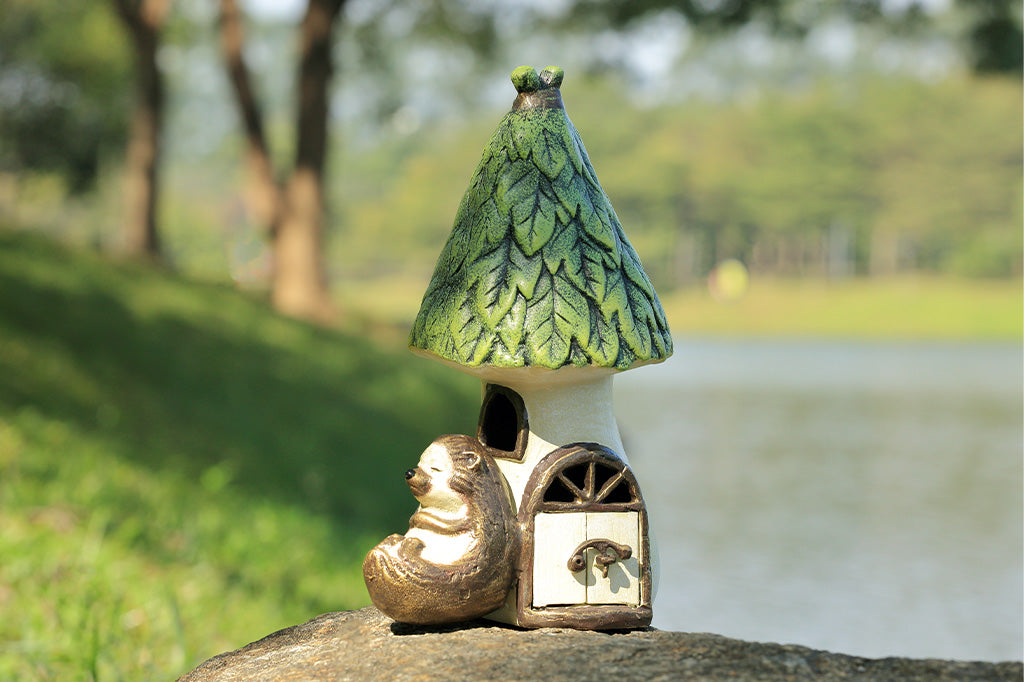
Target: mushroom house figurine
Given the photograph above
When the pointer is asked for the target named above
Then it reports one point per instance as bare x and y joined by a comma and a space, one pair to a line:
537, 520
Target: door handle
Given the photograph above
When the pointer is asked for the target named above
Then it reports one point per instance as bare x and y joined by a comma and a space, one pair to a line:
608, 552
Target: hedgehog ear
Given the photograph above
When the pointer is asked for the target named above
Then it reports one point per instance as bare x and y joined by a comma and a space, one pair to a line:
474, 461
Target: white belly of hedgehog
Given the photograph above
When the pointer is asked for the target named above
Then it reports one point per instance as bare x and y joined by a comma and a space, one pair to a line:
444, 541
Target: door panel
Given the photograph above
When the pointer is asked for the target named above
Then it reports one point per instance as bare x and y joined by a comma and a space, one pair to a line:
622, 586
556, 537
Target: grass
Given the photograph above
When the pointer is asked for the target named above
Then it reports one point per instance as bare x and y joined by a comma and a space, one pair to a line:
915, 308
181, 470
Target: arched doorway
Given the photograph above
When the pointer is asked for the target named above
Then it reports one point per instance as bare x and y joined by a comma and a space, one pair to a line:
585, 554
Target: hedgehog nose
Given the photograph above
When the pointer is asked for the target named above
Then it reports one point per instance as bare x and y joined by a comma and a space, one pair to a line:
409, 473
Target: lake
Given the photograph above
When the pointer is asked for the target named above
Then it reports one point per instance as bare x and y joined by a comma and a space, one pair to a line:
864, 498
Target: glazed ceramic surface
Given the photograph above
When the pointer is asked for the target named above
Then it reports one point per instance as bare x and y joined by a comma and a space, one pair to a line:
537, 271
538, 293
456, 560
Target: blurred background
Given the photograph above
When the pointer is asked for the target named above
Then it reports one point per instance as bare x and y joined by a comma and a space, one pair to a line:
217, 218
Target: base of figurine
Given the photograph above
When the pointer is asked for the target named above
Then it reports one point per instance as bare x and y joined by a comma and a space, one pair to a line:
586, 618
577, 617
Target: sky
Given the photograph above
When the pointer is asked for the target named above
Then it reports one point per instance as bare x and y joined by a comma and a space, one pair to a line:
275, 9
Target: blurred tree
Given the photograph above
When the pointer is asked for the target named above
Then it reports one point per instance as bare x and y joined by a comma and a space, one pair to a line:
62, 94
264, 195
862, 176
702, 14
293, 213
995, 40
300, 279
144, 19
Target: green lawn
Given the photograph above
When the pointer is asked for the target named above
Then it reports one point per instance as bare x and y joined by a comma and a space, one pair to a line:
181, 470
919, 308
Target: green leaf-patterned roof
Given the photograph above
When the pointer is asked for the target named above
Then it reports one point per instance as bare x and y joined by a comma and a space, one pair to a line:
537, 271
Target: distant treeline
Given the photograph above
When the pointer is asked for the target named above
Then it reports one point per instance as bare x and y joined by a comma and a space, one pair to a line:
840, 179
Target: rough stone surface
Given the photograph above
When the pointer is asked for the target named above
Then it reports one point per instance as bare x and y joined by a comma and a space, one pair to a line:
366, 645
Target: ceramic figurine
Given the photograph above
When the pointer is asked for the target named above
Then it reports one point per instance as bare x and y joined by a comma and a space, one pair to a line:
539, 294
456, 560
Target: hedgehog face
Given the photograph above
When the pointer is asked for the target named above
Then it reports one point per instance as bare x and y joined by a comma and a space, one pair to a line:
429, 481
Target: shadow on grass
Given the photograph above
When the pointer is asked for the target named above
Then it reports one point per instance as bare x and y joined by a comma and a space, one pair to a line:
206, 381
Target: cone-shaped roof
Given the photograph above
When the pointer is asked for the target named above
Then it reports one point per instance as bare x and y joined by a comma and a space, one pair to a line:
537, 271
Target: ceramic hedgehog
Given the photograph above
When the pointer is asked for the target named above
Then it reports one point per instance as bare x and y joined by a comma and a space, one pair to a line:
456, 560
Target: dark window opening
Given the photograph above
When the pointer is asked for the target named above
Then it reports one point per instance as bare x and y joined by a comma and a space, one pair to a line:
619, 494
558, 492
503, 423
610, 486
603, 474
577, 474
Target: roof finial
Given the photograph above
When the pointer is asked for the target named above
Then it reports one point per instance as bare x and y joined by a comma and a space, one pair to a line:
525, 79
537, 92
552, 76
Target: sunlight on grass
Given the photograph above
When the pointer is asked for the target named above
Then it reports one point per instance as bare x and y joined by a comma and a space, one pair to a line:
919, 308
181, 470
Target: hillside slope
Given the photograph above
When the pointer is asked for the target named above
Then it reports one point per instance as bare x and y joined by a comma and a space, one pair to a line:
182, 470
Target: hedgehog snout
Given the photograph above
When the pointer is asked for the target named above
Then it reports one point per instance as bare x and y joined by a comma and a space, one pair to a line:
418, 480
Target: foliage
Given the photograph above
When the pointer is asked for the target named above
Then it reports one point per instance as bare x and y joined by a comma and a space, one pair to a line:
991, 28
909, 175
64, 73
537, 270
182, 471
995, 41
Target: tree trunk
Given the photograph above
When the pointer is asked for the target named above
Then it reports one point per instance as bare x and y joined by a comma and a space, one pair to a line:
300, 281
264, 196
143, 20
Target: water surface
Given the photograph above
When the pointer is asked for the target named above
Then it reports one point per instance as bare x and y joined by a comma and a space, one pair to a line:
857, 497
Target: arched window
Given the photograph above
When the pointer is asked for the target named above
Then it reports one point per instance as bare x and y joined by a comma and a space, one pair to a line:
589, 484
502, 428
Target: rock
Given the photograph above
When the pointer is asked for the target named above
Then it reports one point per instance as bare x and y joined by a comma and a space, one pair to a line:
366, 645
